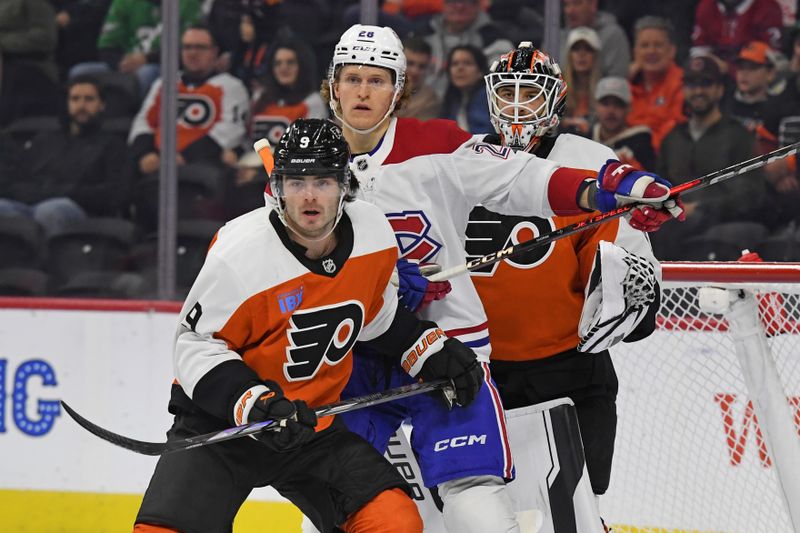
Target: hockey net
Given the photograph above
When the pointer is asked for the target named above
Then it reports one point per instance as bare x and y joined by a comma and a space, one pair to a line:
692, 453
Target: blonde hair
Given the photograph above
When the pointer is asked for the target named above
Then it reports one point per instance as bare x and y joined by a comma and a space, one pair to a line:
569, 77
326, 92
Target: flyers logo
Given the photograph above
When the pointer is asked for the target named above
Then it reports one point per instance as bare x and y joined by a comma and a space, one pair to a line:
489, 232
196, 110
321, 335
270, 127
411, 229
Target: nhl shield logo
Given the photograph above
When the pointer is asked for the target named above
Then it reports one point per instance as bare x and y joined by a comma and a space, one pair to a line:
362, 165
328, 265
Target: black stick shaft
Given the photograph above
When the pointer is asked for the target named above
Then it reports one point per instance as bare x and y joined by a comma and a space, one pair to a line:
696, 184
159, 448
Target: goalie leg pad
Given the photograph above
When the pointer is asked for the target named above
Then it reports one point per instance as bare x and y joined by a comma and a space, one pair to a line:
620, 289
478, 504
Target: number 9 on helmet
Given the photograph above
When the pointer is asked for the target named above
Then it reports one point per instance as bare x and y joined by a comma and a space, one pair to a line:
309, 147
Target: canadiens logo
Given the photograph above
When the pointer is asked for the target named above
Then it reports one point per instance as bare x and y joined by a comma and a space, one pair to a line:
412, 231
328, 265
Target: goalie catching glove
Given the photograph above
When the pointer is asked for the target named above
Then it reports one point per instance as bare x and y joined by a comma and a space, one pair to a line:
265, 401
434, 356
620, 289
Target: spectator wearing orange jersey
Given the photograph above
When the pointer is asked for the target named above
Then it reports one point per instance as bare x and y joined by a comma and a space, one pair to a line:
656, 81
212, 109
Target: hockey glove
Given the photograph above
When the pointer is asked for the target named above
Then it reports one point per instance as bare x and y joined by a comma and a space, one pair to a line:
650, 218
415, 292
619, 184
621, 288
295, 421
434, 356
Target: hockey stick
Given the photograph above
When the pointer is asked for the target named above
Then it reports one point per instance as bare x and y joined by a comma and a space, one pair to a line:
344, 406
696, 184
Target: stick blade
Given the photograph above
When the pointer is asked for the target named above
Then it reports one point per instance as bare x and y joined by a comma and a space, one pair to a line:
138, 446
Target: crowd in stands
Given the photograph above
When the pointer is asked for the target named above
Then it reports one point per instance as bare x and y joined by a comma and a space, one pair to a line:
681, 88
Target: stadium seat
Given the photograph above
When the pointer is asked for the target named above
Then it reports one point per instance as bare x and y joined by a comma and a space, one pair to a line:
724, 242
20, 242
119, 126
121, 93
94, 244
25, 129
200, 195
102, 284
192, 241
22, 282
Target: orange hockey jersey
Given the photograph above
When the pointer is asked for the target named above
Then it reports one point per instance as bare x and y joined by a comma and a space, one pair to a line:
533, 302
293, 320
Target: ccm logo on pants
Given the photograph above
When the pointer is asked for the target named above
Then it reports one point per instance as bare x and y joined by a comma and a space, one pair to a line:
458, 442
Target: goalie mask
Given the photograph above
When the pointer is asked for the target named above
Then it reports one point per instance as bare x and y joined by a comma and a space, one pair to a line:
526, 96
373, 46
310, 147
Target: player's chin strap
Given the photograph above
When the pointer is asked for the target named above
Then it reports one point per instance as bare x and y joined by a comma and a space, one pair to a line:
333, 106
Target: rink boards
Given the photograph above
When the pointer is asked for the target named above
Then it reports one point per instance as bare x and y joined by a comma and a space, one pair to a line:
111, 361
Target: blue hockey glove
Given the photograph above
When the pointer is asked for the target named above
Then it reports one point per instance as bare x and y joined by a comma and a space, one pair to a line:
415, 291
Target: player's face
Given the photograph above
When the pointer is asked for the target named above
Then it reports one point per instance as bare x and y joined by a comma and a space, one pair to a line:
83, 103
285, 66
198, 53
364, 93
653, 51
311, 204
611, 113
530, 103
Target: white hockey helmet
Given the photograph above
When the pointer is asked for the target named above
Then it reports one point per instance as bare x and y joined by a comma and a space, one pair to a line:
373, 46
522, 123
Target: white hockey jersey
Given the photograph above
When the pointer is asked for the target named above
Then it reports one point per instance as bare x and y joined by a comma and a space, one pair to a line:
427, 176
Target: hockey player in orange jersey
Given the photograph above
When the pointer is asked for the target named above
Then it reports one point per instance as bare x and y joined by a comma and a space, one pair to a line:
266, 333
551, 339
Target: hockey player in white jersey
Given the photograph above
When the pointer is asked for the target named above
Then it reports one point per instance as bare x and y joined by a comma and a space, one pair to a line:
563, 295
426, 178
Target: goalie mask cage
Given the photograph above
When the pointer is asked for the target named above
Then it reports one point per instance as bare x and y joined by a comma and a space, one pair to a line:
708, 437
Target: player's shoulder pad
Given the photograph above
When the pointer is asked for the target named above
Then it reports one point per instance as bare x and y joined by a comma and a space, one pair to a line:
414, 138
579, 152
371, 230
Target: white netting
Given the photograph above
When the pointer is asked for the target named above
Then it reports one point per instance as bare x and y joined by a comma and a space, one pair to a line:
689, 452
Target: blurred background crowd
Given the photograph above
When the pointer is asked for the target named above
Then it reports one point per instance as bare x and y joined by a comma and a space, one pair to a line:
681, 88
